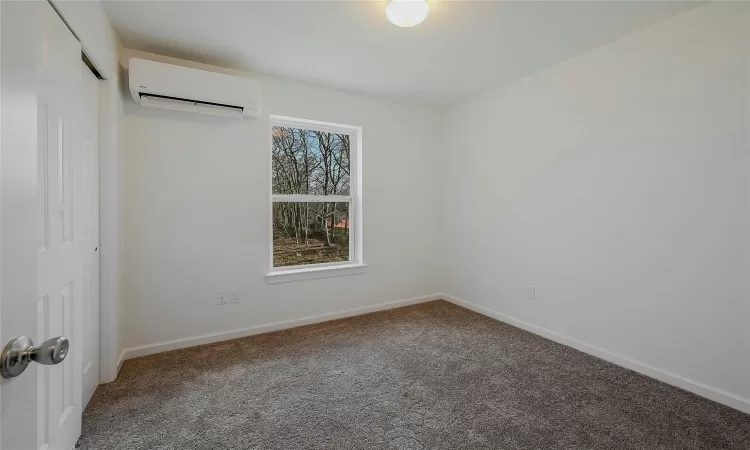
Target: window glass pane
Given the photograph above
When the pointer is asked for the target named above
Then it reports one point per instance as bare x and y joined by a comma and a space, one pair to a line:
310, 233
310, 162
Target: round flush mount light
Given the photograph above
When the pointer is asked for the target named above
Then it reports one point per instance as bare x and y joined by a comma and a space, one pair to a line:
407, 13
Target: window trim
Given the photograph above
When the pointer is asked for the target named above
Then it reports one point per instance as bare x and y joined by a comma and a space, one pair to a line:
355, 264
314, 271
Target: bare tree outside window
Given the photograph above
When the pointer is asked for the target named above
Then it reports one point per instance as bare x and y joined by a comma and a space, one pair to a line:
311, 175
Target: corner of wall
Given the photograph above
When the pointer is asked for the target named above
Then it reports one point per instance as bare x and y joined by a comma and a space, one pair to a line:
444, 133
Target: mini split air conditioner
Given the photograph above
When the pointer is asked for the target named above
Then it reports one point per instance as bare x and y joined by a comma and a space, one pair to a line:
179, 88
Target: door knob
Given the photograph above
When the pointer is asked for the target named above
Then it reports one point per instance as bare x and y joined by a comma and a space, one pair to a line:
21, 351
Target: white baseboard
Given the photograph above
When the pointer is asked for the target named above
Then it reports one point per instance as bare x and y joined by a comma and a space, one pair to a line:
108, 372
709, 392
159, 347
120, 360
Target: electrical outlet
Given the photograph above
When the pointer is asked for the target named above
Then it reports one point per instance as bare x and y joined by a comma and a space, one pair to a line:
532, 293
235, 297
222, 298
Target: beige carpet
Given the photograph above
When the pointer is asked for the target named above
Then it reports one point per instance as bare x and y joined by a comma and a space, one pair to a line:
431, 376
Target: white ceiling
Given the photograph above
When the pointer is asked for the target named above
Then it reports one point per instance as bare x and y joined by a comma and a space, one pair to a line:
462, 48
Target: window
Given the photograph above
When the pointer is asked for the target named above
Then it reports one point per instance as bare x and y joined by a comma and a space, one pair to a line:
315, 211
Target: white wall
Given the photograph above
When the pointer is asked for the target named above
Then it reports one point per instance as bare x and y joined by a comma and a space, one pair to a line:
617, 184
89, 23
197, 215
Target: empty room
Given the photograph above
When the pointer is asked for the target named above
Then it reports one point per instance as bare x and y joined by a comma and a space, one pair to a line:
379, 224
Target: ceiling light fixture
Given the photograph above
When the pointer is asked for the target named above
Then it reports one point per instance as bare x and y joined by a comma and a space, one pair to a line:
407, 13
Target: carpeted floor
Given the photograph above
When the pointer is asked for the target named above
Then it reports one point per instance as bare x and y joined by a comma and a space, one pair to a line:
431, 376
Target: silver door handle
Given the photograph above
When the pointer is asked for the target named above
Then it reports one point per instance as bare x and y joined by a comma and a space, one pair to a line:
21, 351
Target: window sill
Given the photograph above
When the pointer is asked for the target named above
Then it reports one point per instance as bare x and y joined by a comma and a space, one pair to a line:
284, 276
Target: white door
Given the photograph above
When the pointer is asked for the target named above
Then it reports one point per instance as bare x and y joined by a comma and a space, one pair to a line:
42, 211
88, 146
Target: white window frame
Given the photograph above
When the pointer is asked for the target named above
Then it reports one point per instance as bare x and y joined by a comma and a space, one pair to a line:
356, 261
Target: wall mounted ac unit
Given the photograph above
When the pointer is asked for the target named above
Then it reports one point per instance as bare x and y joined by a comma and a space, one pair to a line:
179, 88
